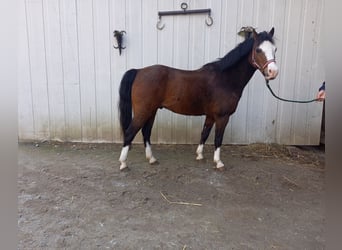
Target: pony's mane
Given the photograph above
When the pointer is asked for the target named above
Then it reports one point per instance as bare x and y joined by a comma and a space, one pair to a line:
239, 52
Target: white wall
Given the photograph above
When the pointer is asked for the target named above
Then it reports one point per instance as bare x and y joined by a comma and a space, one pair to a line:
69, 72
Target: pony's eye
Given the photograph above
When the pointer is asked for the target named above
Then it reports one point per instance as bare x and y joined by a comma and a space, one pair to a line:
258, 50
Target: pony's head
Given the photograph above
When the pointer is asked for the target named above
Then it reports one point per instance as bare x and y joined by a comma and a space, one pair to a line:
262, 55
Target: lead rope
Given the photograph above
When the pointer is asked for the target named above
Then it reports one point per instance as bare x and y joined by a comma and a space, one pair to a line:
287, 100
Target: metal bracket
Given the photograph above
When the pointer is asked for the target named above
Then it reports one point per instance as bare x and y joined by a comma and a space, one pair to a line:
119, 39
209, 21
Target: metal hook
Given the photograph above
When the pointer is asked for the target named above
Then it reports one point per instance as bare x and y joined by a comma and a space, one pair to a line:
184, 6
211, 21
159, 23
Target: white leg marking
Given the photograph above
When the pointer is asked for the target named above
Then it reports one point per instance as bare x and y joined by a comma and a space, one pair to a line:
148, 151
123, 157
217, 154
199, 152
217, 160
149, 155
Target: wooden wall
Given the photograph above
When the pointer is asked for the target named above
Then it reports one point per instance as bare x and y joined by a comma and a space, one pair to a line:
69, 72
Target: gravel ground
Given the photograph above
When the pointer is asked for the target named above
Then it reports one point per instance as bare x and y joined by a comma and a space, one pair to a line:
73, 196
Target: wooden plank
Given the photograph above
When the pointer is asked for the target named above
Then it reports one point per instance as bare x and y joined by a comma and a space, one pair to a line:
134, 43
239, 119
102, 44
212, 33
165, 56
69, 38
292, 39
315, 112
34, 11
134, 31
54, 67
118, 63
149, 33
197, 49
306, 77
271, 105
150, 44
85, 24
228, 40
181, 61
256, 88
25, 106
304, 58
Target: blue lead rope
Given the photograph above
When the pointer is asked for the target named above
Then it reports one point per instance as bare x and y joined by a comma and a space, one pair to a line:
295, 101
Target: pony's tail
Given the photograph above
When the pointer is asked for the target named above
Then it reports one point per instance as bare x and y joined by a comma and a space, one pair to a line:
125, 98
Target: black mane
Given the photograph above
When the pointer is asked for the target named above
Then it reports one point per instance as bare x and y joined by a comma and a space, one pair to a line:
239, 52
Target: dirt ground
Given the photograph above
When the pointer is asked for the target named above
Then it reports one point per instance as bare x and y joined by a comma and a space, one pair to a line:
73, 196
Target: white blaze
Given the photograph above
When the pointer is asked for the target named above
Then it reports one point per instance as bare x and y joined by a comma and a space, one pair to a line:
269, 50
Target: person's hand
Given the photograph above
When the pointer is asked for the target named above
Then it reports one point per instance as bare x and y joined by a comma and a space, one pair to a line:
321, 93
321, 96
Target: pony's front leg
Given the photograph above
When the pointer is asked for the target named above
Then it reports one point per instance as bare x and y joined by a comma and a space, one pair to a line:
217, 159
199, 152
221, 124
208, 124
149, 155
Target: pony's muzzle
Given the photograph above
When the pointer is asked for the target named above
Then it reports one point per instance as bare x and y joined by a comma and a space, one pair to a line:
271, 71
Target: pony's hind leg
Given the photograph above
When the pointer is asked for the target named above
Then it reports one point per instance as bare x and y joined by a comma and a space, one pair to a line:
146, 131
123, 157
208, 124
129, 135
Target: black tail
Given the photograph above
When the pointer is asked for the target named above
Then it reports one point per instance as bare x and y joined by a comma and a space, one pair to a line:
125, 98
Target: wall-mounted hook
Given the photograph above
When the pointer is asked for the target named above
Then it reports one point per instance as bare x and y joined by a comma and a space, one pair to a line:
184, 6
158, 25
119, 38
209, 21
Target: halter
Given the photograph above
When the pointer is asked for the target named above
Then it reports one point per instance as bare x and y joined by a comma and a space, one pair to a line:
256, 65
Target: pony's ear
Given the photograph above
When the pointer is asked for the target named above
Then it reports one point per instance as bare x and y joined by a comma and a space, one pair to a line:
271, 32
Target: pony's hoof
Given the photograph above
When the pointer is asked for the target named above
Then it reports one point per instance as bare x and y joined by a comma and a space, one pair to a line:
219, 166
153, 161
221, 169
123, 166
199, 157
125, 170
